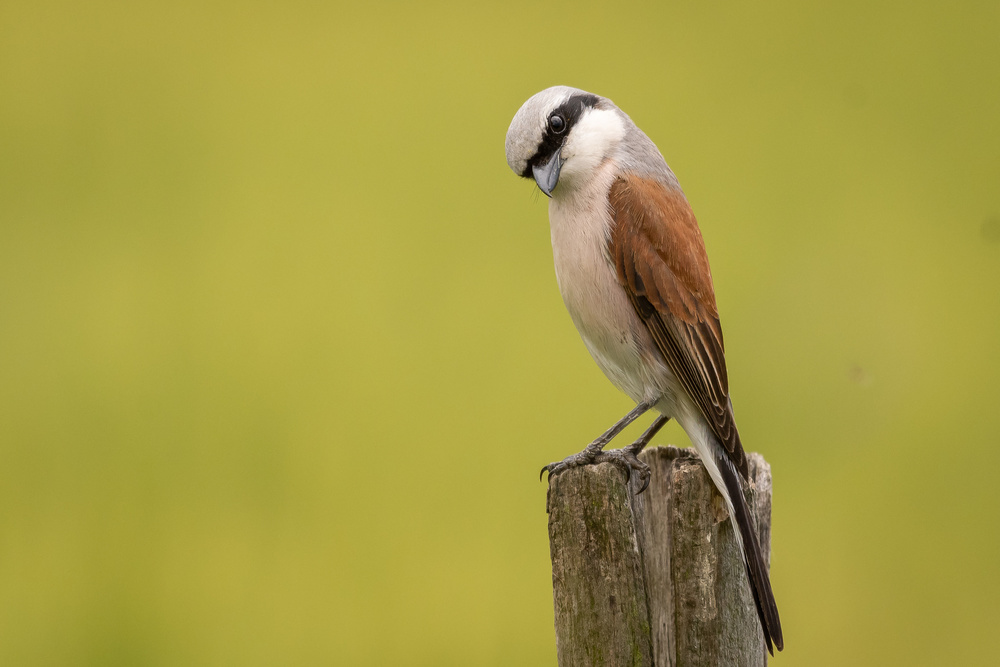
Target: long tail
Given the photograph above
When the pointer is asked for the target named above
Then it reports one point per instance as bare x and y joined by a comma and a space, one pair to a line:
753, 559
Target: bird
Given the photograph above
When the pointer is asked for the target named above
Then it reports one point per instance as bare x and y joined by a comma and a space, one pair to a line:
633, 272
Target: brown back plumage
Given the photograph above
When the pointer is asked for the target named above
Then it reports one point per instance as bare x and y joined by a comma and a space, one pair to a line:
662, 264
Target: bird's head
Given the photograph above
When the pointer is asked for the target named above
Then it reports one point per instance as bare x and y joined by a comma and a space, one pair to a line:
561, 135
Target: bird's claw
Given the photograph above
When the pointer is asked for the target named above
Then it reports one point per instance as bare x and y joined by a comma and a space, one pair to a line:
586, 457
627, 462
624, 459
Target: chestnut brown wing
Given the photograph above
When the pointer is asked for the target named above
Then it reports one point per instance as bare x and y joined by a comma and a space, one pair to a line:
661, 262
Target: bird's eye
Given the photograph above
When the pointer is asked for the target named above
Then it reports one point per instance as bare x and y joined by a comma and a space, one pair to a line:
557, 123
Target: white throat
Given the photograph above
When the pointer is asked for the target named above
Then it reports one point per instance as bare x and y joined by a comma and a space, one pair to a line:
592, 140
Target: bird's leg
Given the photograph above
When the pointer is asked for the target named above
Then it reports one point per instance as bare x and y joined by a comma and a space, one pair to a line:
593, 450
627, 457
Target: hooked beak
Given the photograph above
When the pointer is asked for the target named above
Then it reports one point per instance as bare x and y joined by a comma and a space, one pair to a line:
547, 175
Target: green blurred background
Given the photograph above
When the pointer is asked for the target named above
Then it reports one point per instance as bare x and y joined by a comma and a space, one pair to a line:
281, 349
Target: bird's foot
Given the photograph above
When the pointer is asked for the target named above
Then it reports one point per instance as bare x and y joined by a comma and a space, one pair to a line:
629, 463
625, 459
584, 458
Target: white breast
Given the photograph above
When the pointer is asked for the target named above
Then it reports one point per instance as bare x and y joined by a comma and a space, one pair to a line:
580, 220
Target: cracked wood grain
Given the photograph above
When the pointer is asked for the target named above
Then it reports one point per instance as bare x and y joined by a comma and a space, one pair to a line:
657, 578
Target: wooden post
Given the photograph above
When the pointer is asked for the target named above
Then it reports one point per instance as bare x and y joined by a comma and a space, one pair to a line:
657, 578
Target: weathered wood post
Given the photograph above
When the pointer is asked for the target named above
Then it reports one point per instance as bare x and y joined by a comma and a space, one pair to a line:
657, 578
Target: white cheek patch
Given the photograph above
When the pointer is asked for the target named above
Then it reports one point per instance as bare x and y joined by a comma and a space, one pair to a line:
591, 140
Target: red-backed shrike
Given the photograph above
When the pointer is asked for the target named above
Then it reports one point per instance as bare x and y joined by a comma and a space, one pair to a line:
633, 272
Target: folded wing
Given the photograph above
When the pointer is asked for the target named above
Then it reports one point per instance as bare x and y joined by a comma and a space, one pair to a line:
661, 262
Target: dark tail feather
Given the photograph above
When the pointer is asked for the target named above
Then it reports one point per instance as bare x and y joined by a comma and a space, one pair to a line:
756, 568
